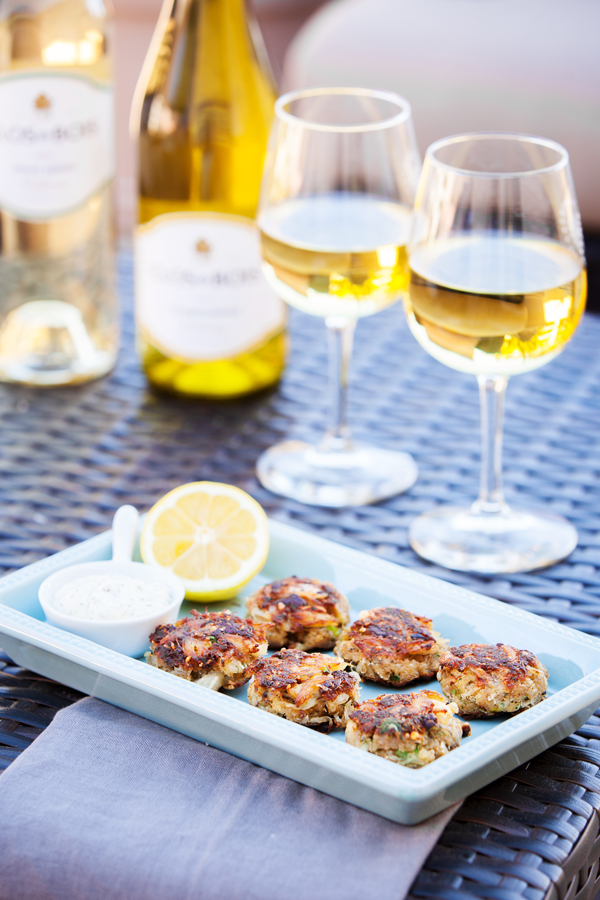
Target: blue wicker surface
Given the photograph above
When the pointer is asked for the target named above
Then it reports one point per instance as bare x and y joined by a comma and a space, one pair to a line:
69, 457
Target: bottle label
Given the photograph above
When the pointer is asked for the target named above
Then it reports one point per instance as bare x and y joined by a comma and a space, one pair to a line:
199, 289
56, 142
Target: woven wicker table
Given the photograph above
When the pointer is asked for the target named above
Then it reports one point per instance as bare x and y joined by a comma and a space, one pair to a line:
70, 457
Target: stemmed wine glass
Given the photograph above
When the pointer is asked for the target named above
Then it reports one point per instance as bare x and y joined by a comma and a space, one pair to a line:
334, 218
497, 288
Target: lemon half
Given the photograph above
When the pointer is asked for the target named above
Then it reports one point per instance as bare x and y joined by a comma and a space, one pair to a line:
213, 536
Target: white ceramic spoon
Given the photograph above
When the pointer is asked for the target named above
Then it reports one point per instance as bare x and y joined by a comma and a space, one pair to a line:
127, 636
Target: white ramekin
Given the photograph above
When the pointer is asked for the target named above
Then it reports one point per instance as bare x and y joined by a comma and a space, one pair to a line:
127, 636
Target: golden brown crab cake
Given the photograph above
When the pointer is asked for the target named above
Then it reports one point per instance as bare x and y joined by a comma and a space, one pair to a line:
391, 646
300, 612
308, 688
211, 649
409, 729
488, 679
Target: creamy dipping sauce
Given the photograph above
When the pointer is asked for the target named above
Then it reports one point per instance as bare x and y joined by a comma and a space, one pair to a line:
111, 597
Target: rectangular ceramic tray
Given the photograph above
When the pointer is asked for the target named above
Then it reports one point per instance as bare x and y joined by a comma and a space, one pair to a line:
325, 762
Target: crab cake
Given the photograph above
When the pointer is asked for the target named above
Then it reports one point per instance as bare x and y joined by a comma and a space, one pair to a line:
410, 729
300, 612
211, 649
487, 679
392, 646
308, 688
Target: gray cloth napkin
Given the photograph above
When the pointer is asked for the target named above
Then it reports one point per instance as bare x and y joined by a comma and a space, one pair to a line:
108, 806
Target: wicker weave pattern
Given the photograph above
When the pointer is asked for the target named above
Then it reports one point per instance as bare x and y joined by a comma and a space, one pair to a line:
69, 458
28, 703
532, 834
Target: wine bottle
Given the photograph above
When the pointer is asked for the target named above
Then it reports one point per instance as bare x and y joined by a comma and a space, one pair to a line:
208, 323
58, 307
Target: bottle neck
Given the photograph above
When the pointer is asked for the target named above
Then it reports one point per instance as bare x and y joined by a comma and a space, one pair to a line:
182, 10
206, 109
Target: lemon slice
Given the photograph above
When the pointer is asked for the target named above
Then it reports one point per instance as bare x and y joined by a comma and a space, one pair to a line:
213, 536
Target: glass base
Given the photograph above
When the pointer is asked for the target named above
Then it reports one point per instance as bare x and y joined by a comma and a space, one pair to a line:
351, 476
470, 540
46, 343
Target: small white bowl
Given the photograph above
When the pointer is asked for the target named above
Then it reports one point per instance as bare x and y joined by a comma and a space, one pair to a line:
127, 636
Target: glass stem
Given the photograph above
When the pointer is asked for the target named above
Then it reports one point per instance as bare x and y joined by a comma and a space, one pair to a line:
492, 389
340, 337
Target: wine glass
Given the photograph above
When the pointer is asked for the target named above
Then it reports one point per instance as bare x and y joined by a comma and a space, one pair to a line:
497, 287
334, 219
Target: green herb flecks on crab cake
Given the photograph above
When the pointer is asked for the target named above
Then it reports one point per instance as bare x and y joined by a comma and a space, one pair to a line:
409, 729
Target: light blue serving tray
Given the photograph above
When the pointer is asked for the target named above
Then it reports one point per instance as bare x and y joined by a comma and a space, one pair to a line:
325, 762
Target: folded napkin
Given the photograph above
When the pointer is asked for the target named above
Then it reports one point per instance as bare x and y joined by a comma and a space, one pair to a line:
108, 806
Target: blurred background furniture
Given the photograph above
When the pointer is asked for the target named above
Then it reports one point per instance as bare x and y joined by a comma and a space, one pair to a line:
470, 65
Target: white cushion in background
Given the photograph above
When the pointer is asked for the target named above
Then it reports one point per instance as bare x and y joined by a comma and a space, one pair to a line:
509, 65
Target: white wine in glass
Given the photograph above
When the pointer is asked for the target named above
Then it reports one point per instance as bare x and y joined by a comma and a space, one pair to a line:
337, 254
497, 288
334, 219
510, 313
